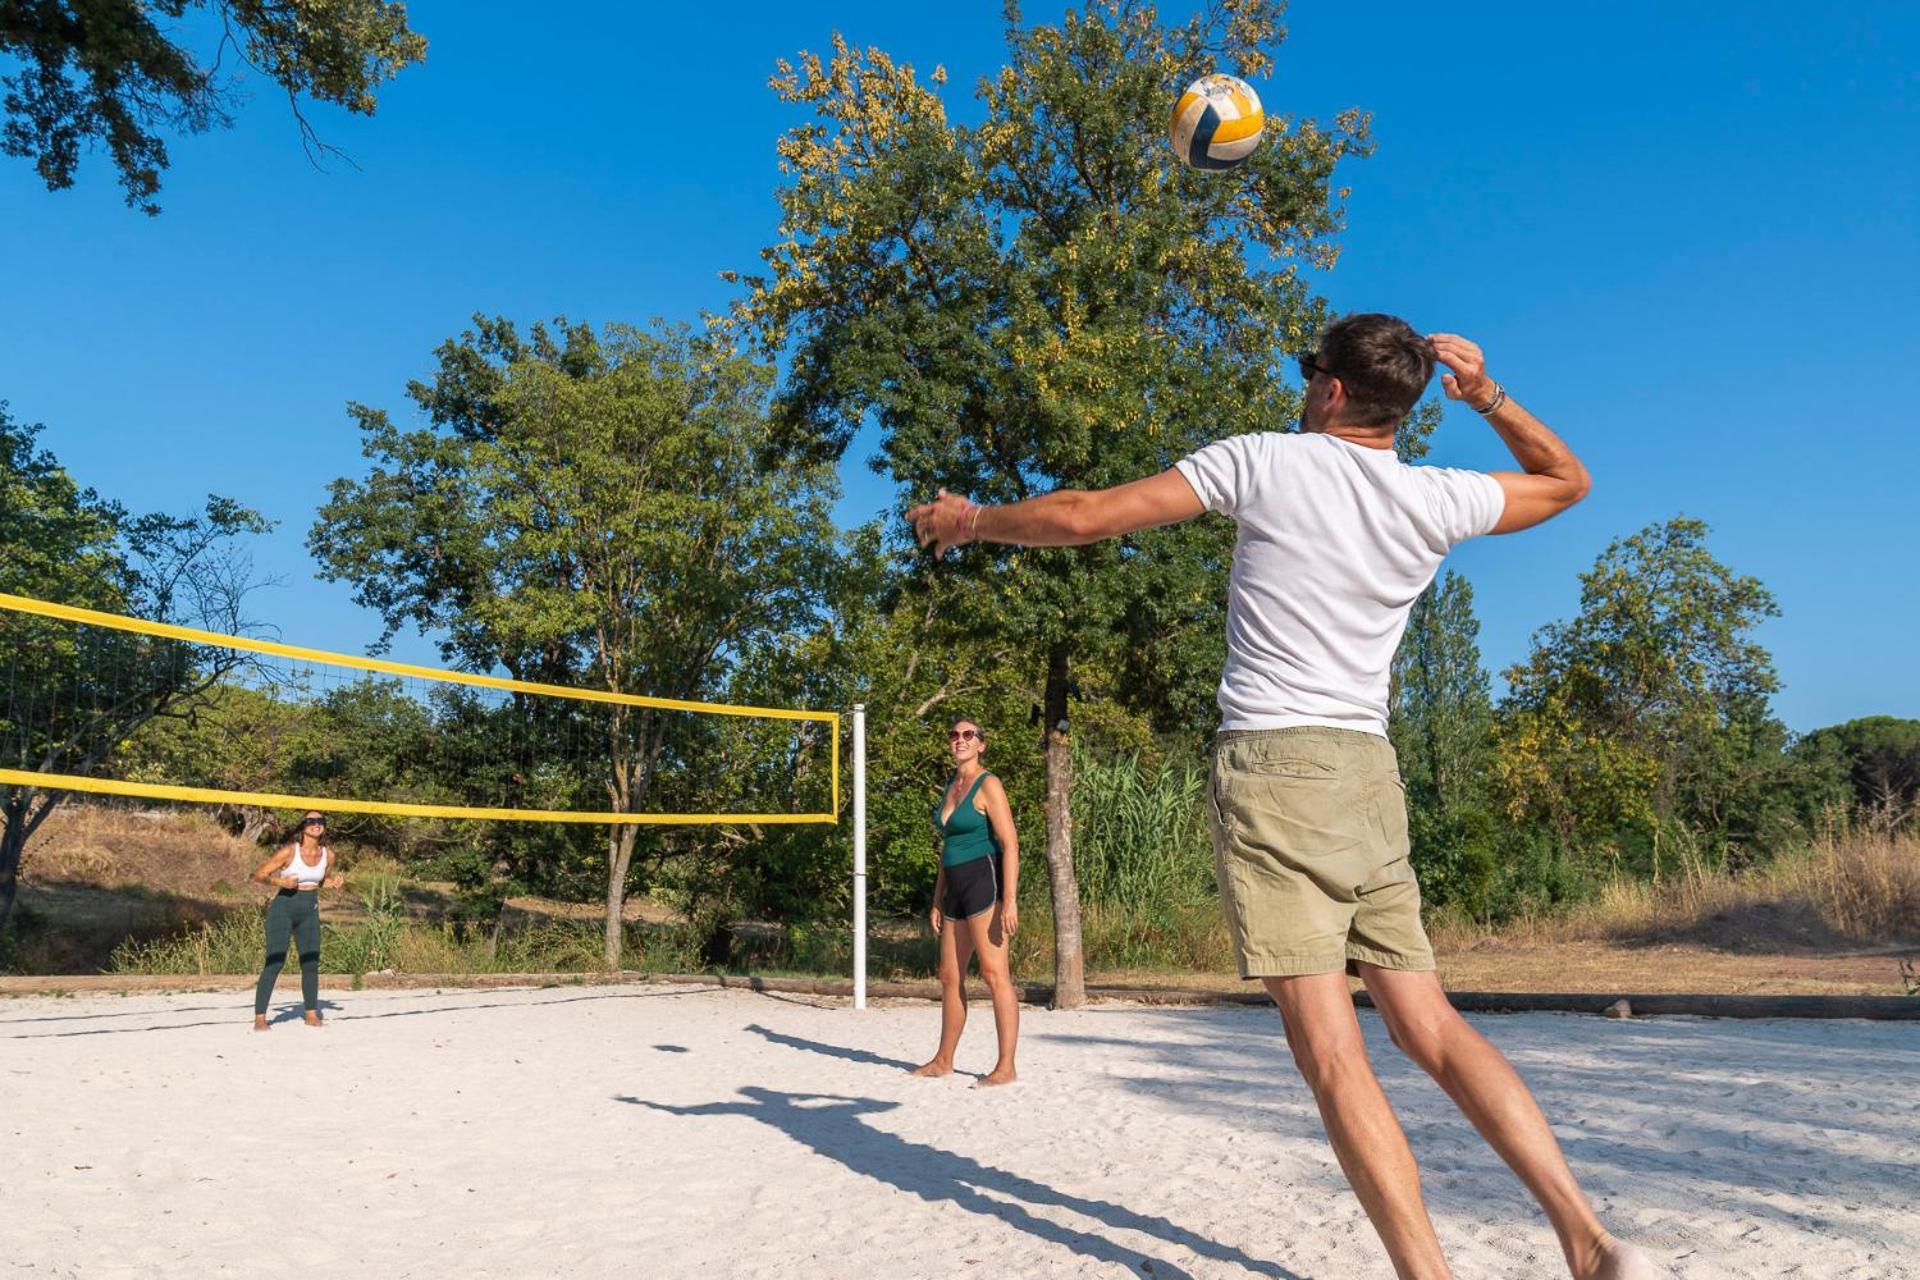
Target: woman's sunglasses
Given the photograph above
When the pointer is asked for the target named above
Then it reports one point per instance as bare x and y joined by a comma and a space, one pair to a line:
961, 735
313, 822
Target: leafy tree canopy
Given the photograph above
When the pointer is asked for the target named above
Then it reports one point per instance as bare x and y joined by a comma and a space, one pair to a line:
117, 73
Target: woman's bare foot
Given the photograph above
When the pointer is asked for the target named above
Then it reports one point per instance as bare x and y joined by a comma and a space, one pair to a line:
313, 1019
931, 1070
999, 1075
260, 1022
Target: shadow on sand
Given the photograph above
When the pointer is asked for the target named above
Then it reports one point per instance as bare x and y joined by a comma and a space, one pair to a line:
835, 1127
863, 1056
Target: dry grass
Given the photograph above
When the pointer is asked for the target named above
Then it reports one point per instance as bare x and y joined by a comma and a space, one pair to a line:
161, 851
1851, 890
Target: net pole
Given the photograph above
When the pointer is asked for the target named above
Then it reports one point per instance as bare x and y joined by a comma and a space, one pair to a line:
859, 855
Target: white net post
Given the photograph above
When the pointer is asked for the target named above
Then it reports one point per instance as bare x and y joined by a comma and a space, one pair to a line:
859, 855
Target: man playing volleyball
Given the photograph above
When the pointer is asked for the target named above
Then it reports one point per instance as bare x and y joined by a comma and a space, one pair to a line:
1337, 538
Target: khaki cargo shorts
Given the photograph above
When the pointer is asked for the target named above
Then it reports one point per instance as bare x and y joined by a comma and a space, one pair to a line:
1310, 848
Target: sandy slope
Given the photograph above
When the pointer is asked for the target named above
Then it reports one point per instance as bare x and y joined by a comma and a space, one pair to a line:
641, 1130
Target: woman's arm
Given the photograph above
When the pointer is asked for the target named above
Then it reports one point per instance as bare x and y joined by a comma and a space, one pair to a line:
335, 877
1000, 817
934, 916
265, 875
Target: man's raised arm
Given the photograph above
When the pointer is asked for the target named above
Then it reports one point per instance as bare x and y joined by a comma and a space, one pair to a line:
1064, 518
1552, 478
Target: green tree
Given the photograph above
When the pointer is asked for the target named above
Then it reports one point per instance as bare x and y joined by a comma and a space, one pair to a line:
114, 73
1048, 299
1443, 710
1647, 718
908, 647
1872, 764
1441, 726
75, 694
236, 739
588, 508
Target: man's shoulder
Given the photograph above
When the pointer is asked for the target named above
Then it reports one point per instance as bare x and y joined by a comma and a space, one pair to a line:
1466, 502
1440, 475
1262, 442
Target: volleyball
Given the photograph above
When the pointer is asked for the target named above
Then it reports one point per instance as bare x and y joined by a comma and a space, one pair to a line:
1217, 122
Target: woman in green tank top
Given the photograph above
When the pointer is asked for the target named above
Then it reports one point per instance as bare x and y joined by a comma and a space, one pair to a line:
975, 901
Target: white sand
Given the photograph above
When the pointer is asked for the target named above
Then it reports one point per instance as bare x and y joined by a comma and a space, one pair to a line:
655, 1131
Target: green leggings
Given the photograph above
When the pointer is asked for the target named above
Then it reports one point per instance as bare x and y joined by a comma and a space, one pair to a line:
296, 914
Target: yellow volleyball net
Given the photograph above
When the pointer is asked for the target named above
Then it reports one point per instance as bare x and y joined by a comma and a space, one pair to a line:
113, 705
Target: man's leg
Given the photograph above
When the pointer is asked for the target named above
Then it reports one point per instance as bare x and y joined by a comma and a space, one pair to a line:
1325, 1038
1484, 1085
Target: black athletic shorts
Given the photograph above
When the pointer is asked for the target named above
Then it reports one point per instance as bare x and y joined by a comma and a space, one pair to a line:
972, 888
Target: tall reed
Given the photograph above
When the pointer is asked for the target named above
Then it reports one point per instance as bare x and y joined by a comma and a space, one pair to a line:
1140, 833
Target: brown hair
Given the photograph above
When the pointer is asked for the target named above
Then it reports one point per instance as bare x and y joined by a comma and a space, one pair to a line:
1383, 364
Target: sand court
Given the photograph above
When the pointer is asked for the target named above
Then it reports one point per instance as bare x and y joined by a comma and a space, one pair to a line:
692, 1132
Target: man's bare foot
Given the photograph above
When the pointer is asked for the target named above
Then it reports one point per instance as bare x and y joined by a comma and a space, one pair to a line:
1619, 1260
931, 1070
999, 1075
260, 1022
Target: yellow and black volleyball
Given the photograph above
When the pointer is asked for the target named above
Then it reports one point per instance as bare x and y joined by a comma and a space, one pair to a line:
1217, 122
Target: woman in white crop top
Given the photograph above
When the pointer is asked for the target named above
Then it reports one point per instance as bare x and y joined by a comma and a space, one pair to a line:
299, 871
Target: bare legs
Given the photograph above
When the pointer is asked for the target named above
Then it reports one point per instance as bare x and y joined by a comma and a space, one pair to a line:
956, 950
1325, 1038
990, 944
1484, 1085
960, 941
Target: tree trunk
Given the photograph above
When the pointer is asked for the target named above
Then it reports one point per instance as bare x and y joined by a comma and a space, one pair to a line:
18, 821
619, 858
255, 823
1069, 966
248, 821
13, 840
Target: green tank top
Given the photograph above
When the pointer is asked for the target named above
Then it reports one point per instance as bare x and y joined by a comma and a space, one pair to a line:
966, 834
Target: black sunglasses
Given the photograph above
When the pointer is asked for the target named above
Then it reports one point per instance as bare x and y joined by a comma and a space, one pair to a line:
1310, 365
313, 822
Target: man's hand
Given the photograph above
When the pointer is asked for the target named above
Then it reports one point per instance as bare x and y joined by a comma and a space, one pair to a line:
944, 523
1468, 378
1552, 478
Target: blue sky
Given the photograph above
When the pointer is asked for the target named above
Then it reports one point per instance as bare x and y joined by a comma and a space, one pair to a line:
1688, 236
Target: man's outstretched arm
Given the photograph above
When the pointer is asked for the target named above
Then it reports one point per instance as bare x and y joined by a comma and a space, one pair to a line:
1064, 518
1552, 478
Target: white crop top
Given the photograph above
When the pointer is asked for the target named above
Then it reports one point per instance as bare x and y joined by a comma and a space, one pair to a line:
304, 873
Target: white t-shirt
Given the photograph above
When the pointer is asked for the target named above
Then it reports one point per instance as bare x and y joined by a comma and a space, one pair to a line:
1336, 543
